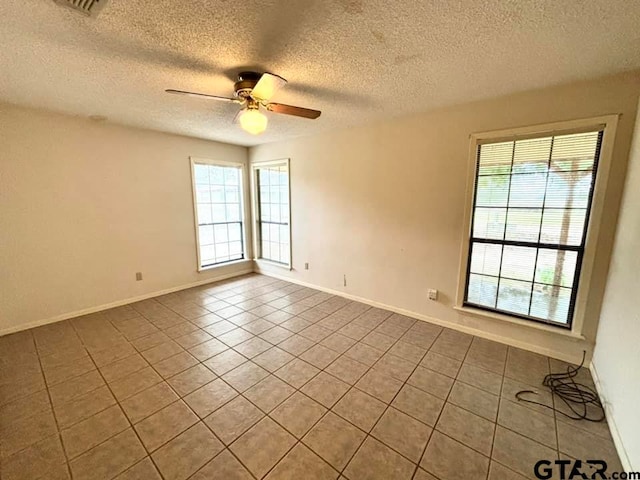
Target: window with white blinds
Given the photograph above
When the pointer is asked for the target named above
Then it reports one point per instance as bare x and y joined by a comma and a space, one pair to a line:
531, 210
272, 211
219, 212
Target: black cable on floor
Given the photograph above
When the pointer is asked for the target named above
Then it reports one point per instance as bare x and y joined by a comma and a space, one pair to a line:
577, 396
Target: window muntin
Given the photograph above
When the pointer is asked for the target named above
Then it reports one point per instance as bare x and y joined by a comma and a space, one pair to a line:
272, 212
531, 208
219, 208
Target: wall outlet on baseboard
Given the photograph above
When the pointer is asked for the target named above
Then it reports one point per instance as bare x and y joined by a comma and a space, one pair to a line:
344, 277
138, 276
306, 265
433, 294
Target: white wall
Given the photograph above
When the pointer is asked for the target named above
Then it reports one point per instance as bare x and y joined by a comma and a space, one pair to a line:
384, 204
83, 206
616, 358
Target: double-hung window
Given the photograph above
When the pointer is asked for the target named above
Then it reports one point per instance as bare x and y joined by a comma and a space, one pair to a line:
217, 189
531, 206
272, 212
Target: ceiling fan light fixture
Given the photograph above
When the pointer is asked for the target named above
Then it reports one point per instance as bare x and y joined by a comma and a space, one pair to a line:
253, 121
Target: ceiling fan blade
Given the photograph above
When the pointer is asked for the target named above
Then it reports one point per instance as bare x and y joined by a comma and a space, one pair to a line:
291, 110
267, 86
202, 95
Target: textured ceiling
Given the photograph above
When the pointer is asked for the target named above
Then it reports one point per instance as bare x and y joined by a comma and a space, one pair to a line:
356, 60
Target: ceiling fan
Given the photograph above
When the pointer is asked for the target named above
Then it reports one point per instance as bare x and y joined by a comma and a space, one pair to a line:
252, 91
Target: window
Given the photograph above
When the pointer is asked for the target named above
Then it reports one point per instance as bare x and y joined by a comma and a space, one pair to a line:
218, 203
271, 189
531, 206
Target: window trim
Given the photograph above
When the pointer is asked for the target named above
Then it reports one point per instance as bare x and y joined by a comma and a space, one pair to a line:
255, 209
220, 163
608, 123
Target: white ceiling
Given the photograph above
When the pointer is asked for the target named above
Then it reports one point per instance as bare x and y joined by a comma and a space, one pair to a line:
356, 60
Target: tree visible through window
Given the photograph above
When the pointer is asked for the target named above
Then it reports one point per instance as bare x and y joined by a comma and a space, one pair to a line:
530, 215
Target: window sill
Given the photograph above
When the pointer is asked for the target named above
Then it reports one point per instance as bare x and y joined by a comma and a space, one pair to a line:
476, 312
221, 265
269, 263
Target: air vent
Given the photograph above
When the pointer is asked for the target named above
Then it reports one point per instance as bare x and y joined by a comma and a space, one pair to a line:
88, 7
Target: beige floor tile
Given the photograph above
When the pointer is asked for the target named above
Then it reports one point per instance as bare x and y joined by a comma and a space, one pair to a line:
300, 463
94, 430
422, 475
519, 453
431, 382
439, 363
262, 446
334, 440
143, 470
338, 343
298, 414
148, 401
296, 344
109, 355
109, 458
347, 369
276, 334
192, 339
269, 393
222, 326
233, 419
375, 461
76, 387
223, 467
252, 347
474, 431
273, 359
480, 378
187, 453
364, 354
403, 433
245, 376
297, 372
122, 368
26, 431
207, 349
191, 379
150, 341
537, 426
76, 367
451, 460
43, 459
499, 472
378, 385
360, 409
319, 356
162, 426
136, 382
235, 337
33, 404
258, 327
325, 389
418, 404
578, 444
162, 351
173, 365
225, 362
210, 397
475, 400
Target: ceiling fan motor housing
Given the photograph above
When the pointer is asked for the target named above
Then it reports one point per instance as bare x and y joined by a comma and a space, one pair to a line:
246, 83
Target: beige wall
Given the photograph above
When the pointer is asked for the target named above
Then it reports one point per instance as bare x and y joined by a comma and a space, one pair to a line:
616, 359
83, 206
384, 204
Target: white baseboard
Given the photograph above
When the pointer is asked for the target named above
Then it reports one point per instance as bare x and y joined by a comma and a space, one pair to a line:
613, 428
575, 359
119, 303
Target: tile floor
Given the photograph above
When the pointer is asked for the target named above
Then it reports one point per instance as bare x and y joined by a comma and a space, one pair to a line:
260, 378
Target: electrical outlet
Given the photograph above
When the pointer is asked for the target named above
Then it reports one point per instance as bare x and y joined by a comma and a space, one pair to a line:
306, 266
433, 294
345, 279
138, 276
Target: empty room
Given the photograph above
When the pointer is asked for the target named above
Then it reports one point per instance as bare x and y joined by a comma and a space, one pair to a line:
319, 240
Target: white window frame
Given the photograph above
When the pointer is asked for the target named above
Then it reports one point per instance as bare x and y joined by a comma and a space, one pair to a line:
219, 163
609, 124
255, 211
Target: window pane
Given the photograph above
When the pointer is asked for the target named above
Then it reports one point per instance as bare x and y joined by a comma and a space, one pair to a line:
514, 296
523, 225
492, 191
563, 227
489, 223
518, 263
495, 158
550, 303
485, 258
273, 212
556, 267
218, 202
531, 193
527, 190
482, 290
